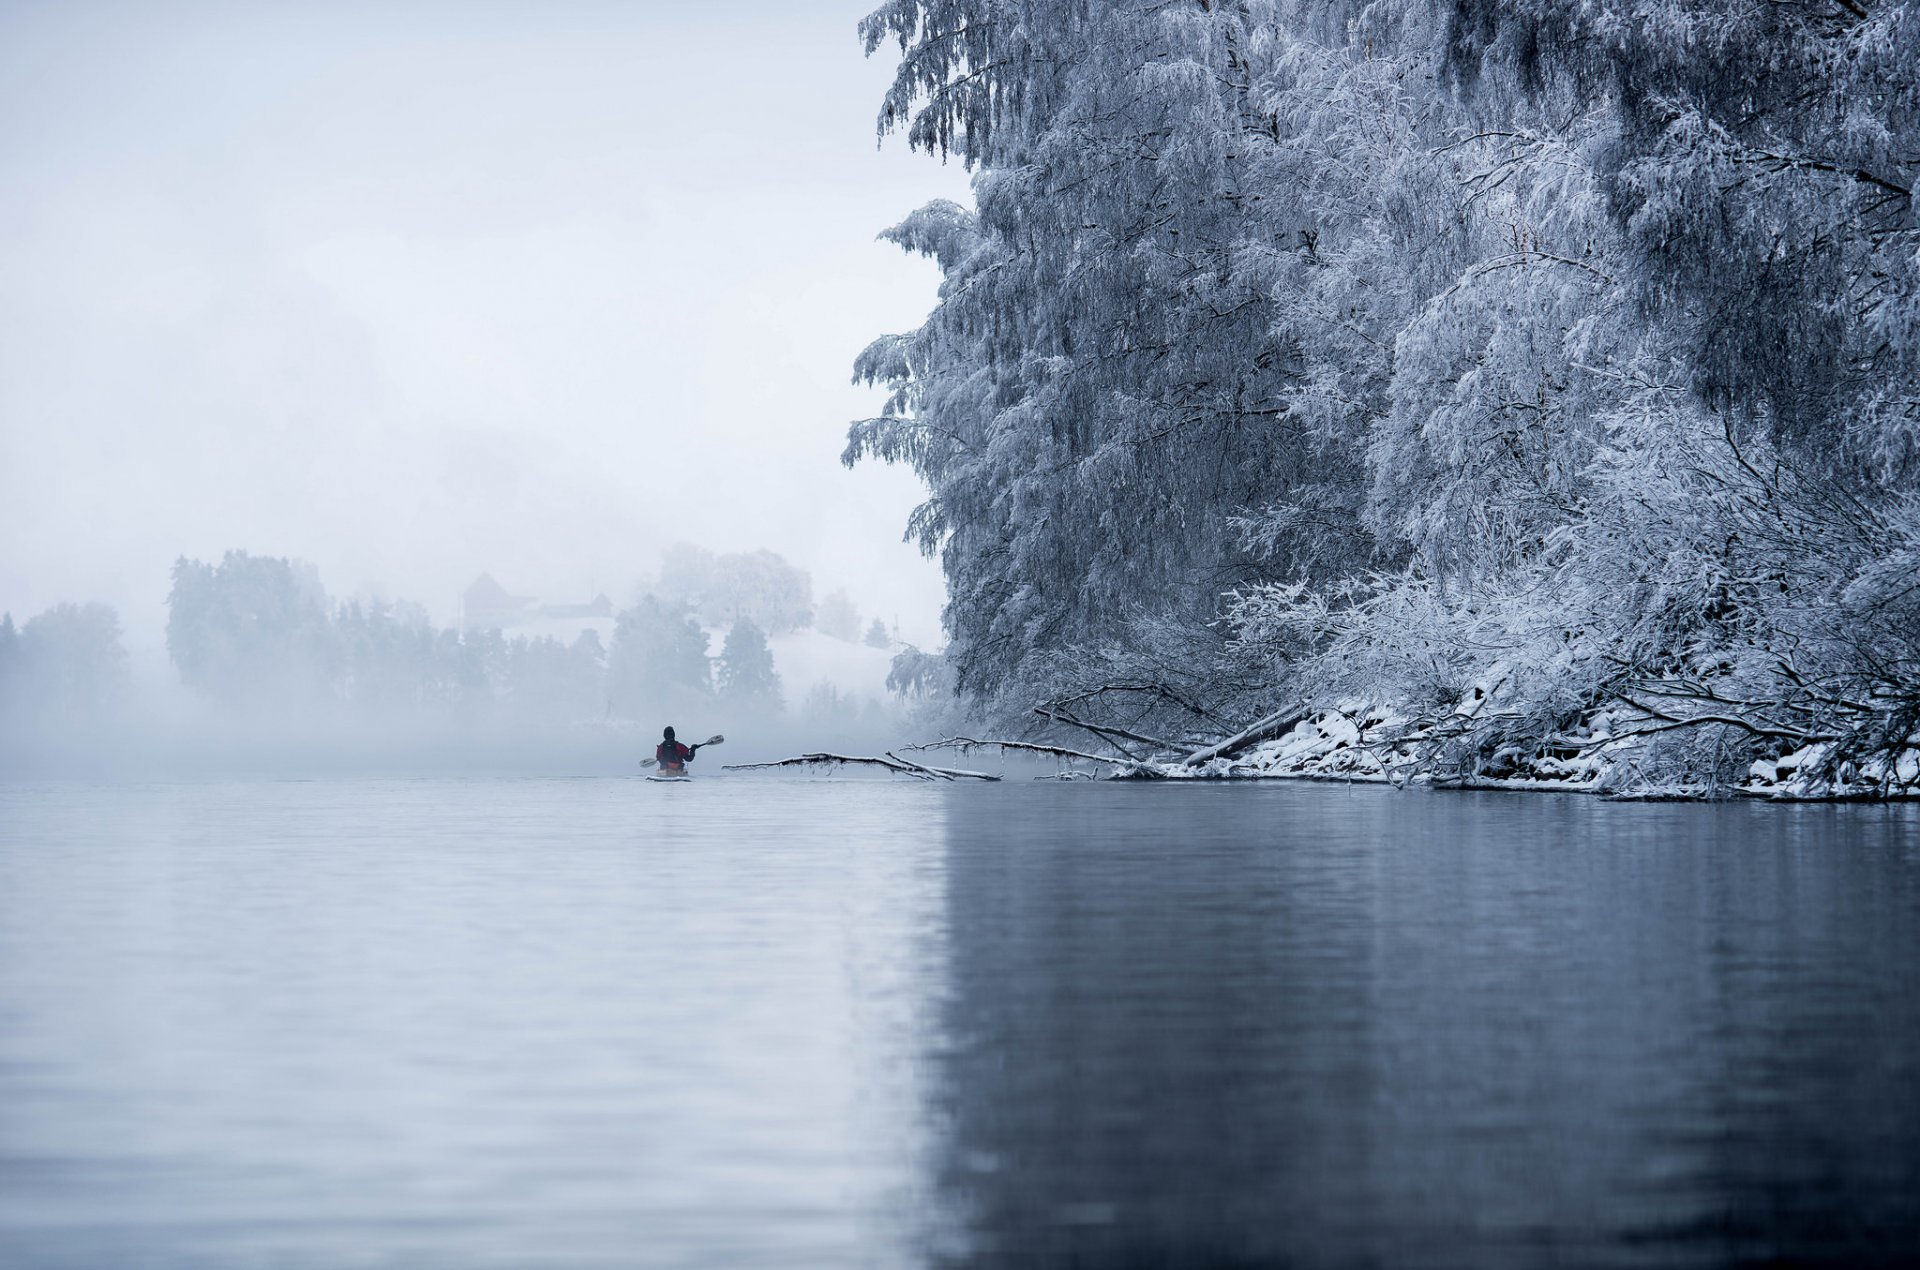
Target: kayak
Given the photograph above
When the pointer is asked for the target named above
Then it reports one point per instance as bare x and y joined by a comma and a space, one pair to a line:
683, 774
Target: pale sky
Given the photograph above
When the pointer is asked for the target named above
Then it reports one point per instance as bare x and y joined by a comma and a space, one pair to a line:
413, 290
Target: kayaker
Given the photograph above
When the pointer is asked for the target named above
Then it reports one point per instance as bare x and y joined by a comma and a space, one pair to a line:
671, 756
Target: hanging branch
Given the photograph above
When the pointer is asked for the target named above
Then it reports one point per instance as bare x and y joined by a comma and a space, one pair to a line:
1669, 722
890, 762
1158, 690
1112, 735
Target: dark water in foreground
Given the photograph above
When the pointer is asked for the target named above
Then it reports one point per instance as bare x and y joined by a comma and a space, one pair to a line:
781, 1023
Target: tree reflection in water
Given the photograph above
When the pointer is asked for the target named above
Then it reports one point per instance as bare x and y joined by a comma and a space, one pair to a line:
1299, 1025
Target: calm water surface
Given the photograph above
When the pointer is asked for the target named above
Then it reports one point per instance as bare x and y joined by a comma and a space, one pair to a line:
765, 1022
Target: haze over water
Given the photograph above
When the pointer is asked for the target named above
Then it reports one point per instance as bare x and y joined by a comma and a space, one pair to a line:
415, 290
758, 1021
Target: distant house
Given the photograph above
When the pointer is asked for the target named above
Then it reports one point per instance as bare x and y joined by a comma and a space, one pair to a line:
486, 605
600, 606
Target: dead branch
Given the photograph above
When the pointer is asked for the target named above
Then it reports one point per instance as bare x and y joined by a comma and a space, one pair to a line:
944, 773
1670, 722
967, 744
1159, 690
1105, 732
891, 763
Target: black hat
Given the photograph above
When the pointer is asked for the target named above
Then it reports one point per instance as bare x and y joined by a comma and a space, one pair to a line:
669, 732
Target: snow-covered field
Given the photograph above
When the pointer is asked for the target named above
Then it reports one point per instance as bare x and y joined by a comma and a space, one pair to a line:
806, 658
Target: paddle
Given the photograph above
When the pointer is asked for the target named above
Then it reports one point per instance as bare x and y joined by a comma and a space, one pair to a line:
715, 739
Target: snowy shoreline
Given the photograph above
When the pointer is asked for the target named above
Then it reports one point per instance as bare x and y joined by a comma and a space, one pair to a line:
1334, 745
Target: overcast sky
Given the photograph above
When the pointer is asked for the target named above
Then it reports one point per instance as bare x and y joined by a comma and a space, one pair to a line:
413, 290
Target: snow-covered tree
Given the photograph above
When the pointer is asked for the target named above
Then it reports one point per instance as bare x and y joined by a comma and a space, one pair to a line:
1761, 168
686, 573
760, 585
1100, 388
918, 675
1549, 350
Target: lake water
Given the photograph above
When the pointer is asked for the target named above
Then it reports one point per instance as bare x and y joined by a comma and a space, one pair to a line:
754, 1021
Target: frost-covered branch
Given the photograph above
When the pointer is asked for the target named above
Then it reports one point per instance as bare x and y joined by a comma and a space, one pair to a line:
1274, 724
1106, 732
889, 762
967, 744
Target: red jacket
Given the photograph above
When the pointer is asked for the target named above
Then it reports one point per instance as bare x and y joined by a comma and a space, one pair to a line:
671, 755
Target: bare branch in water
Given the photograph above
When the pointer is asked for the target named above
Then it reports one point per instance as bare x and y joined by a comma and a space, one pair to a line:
890, 762
967, 744
944, 773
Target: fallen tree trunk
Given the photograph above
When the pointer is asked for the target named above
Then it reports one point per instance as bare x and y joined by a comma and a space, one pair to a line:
1273, 725
889, 762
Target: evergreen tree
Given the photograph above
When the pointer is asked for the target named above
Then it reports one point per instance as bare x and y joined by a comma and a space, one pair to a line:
549, 681
252, 628
390, 658
877, 636
582, 688
745, 671
659, 656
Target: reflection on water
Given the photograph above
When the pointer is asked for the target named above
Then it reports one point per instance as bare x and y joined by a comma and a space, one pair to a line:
798, 1023
462, 1023
1294, 1025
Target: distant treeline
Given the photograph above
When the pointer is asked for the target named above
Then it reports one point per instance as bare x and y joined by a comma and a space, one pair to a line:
256, 637
255, 630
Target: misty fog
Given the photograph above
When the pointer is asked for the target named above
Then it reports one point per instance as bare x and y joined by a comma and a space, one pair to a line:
271, 672
314, 319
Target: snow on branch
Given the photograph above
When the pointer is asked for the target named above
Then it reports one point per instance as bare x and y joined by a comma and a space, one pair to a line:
889, 762
967, 744
1273, 725
1106, 732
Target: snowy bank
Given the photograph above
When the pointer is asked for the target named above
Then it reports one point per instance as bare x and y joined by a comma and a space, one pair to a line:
1603, 757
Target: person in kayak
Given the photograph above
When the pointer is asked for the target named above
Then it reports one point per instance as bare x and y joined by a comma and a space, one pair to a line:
671, 756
